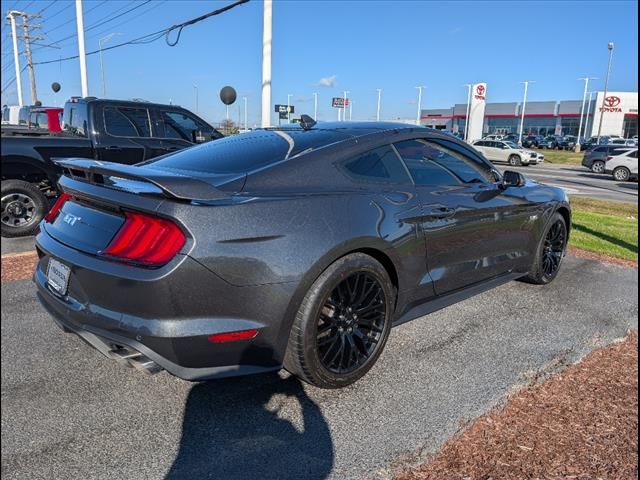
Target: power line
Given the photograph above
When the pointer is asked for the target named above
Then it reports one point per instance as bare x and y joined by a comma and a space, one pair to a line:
10, 82
100, 22
154, 5
45, 8
152, 37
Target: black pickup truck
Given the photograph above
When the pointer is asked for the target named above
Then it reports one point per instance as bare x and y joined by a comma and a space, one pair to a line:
111, 130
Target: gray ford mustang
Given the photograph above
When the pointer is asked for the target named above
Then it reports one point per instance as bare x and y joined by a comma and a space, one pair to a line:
298, 247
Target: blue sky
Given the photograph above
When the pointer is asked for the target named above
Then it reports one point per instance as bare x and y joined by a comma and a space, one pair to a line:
353, 45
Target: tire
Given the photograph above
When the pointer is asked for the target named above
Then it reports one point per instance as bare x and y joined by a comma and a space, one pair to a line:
23, 207
598, 166
539, 273
515, 160
621, 174
325, 307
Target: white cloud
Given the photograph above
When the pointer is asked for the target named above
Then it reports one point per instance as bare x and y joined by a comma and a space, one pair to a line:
327, 81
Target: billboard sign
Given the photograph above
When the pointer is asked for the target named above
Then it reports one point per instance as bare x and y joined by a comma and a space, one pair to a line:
339, 102
283, 109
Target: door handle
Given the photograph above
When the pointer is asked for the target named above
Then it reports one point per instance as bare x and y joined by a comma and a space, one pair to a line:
113, 148
442, 212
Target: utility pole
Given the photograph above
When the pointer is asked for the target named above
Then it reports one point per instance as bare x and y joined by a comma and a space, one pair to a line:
266, 63
466, 119
350, 110
584, 98
419, 103
81, 51
16, 59
379, 99
27, 47
524, 105
289, 95
315, 106
606, 86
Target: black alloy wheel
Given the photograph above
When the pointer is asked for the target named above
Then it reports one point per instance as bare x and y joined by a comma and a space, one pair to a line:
351, 323
553, 250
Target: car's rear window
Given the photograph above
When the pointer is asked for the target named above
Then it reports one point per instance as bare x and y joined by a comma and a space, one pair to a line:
248, 151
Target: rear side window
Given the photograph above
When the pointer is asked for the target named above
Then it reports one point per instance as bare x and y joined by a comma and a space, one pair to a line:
634, 154
600, 149
77, 120
127, 122
380, 165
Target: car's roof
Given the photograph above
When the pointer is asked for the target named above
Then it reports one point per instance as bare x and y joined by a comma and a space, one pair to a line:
353, 129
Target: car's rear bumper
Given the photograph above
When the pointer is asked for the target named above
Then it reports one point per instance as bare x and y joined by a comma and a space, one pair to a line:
153, 320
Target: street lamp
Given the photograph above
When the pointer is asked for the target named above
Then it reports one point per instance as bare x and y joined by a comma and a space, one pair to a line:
524, 105
351, 110
379, 98
606, 85
315, 106
104, 39
196, 88
246, 123
466, 118
419, 103
289, 95
584, 98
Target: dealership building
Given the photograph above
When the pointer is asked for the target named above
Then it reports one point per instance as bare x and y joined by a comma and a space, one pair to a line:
620, 112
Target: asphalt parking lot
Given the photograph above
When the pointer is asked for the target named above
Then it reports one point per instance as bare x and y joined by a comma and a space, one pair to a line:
577, 180
70, 413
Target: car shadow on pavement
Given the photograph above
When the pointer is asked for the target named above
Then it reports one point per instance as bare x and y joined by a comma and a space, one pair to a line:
243, 428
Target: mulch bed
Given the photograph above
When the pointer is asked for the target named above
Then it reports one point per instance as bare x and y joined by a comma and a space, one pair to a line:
19, 266
600, 257
580, 424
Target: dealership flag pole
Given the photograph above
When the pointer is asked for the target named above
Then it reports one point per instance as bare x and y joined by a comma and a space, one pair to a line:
289, 95
266, 64
524, 105
606, 85
315, 106
584, 98
378, 109
586, 120
466, 119
344, 106
419, 103
81, 51
16, 58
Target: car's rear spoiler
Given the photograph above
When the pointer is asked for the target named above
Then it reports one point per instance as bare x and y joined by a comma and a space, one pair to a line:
172, 184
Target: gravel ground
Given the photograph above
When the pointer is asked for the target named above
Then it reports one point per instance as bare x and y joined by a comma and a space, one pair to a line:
70, 413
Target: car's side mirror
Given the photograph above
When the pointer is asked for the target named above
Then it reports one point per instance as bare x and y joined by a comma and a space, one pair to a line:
512, 179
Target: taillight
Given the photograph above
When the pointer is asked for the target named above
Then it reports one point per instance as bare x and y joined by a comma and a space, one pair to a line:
146, 240
55, 210
233, 336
